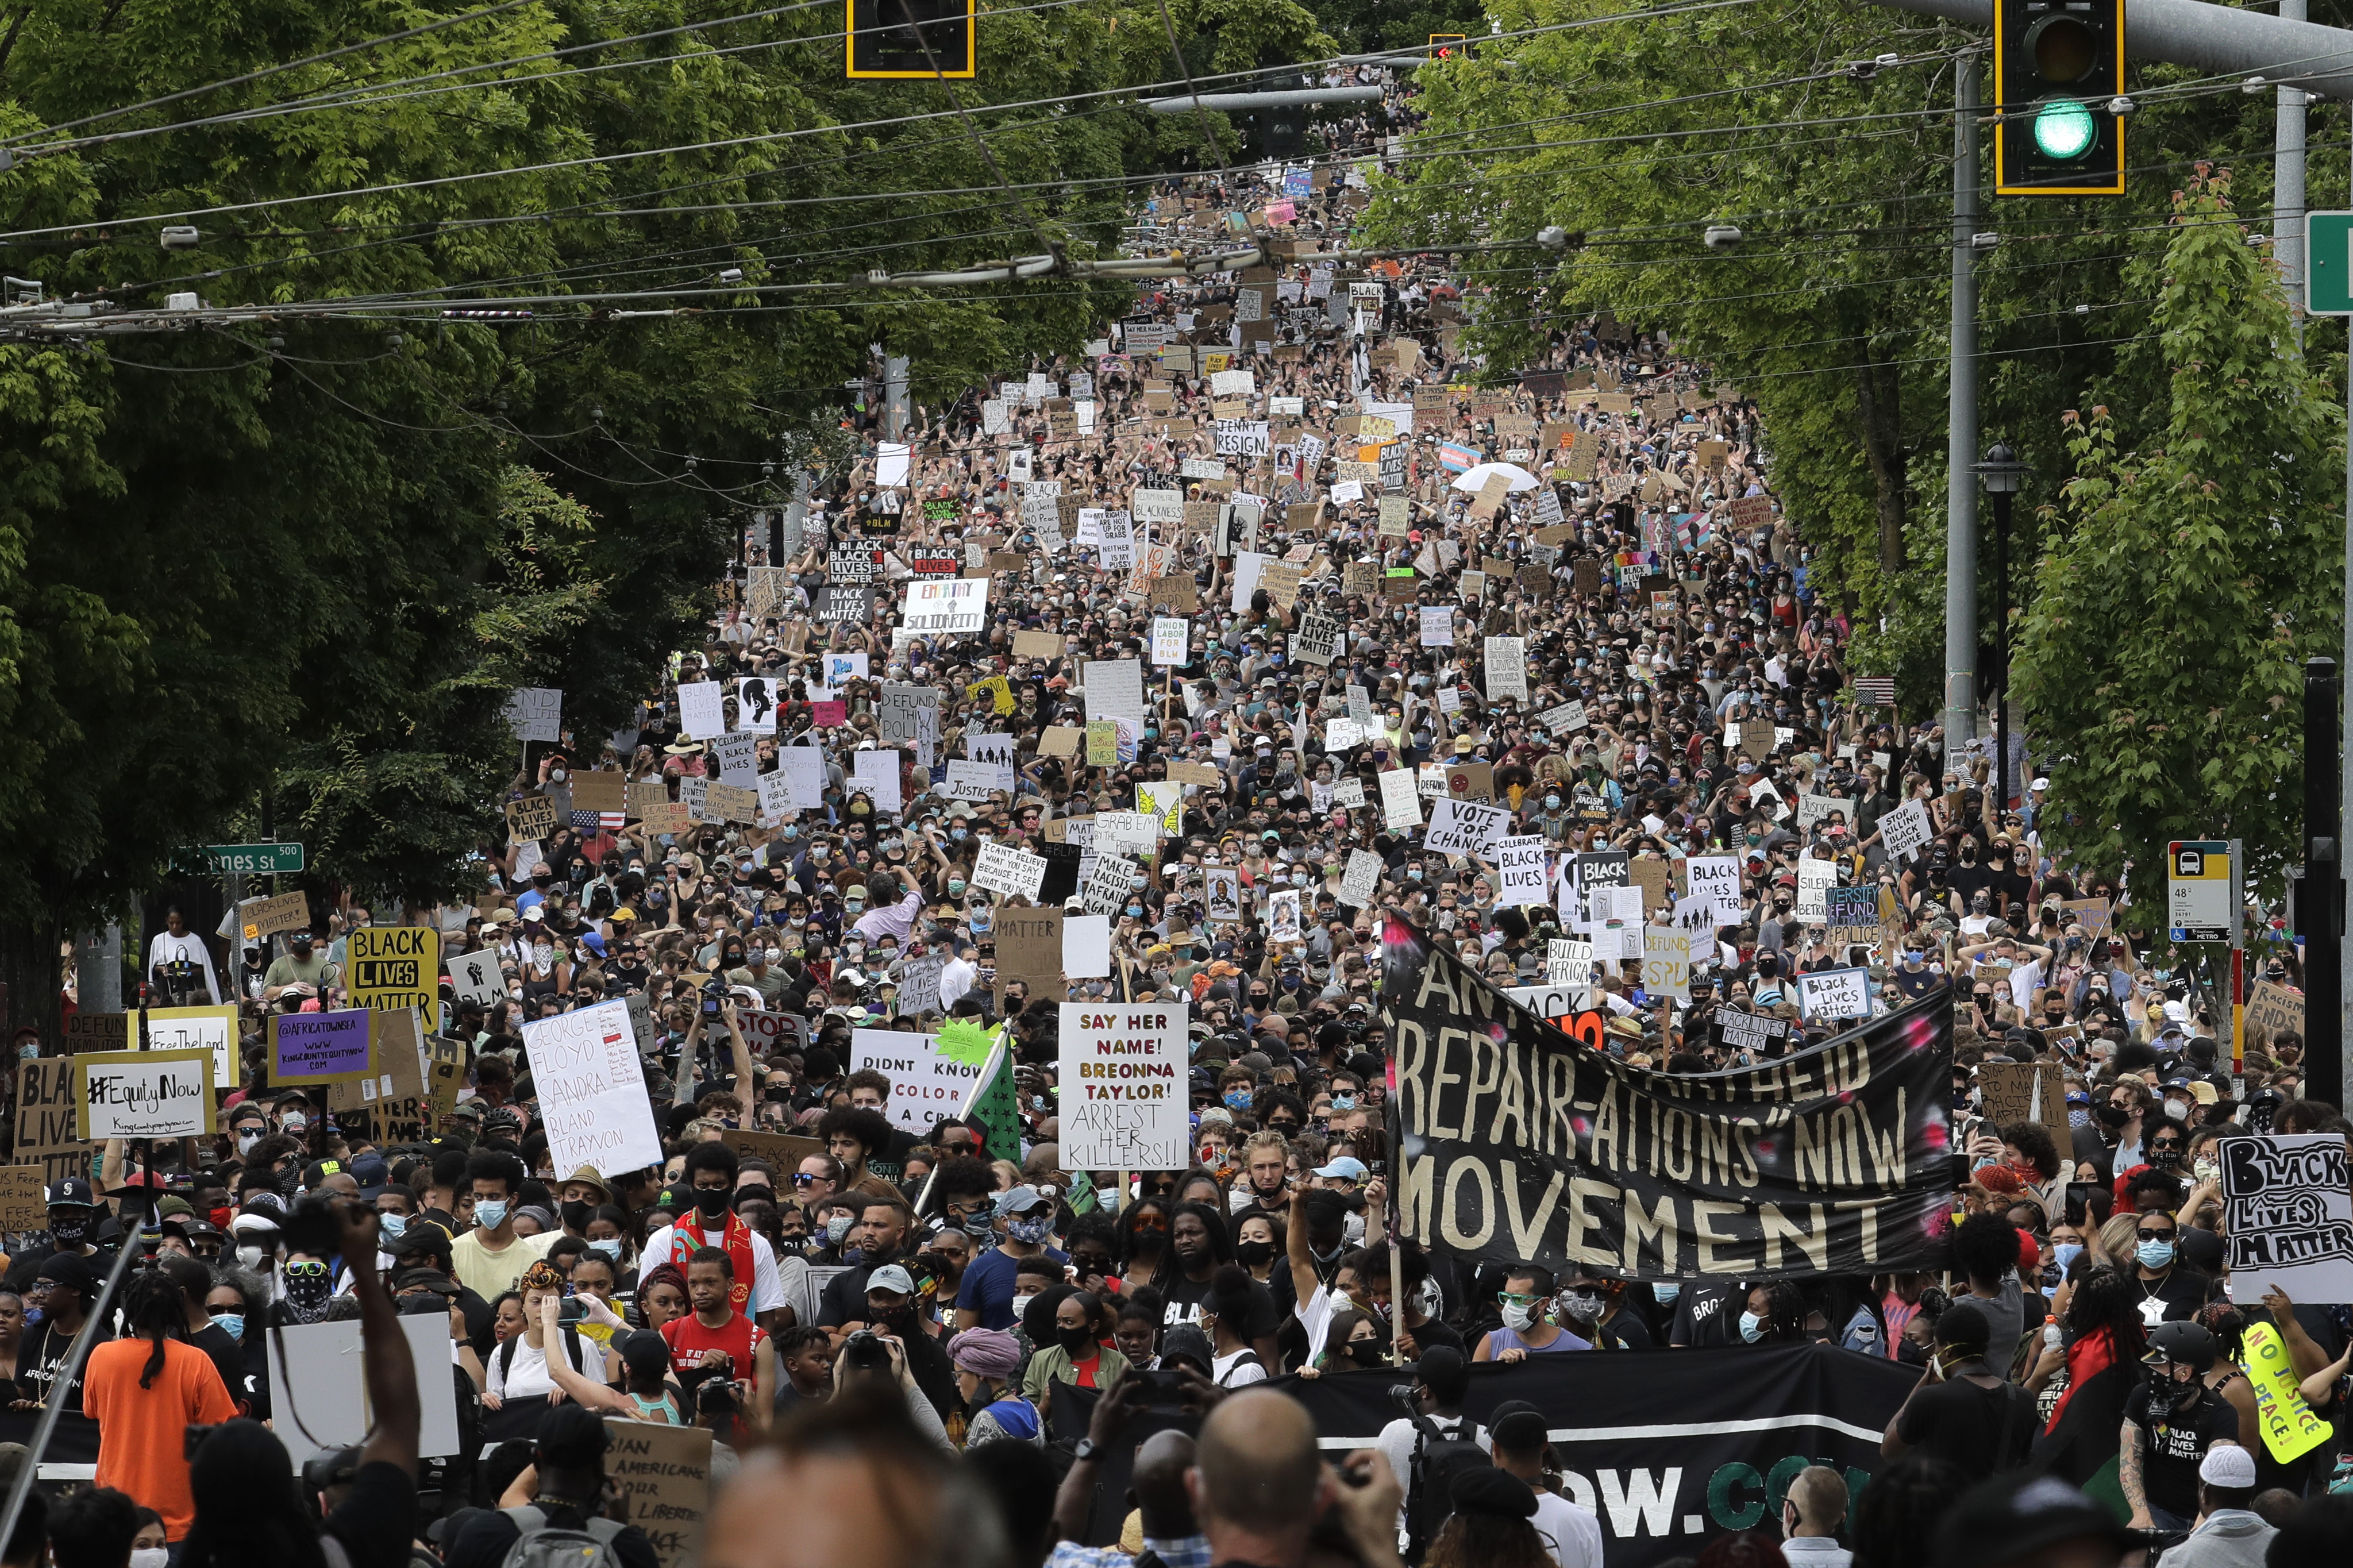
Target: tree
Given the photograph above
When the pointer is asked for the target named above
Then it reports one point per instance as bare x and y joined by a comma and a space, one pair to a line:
2189, 576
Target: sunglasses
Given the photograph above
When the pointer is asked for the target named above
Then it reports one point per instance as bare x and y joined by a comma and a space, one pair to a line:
2146, 1234
306, 1268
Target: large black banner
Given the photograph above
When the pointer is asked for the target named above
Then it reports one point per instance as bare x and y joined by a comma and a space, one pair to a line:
1521, 1139
1694, 1443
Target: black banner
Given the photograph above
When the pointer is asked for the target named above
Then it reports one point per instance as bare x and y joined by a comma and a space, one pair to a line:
1521, 1141
1693, 1444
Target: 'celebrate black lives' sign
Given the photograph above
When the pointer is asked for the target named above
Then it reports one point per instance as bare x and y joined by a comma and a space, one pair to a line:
1523, 1141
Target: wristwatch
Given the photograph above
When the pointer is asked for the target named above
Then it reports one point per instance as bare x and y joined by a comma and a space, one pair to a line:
1085, 1450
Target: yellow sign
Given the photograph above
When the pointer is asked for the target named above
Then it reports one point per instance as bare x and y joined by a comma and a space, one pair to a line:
391, 967
212, 1029
1103, 743
1000, 694
2288, 1424
1165, 801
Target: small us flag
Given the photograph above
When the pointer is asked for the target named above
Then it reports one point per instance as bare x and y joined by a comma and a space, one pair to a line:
1878, 690
592, 821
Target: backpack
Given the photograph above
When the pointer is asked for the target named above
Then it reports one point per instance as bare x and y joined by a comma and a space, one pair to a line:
1430, 1491
540, 1546
1248, 1358
572, 1354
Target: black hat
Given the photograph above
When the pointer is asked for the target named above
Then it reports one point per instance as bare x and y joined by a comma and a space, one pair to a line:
73, 1192
2008, 1519
1498, 1493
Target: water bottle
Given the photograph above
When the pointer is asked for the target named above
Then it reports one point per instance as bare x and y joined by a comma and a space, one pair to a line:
2051, 1332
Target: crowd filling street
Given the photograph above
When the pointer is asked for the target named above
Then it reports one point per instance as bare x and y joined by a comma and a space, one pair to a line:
1194, 673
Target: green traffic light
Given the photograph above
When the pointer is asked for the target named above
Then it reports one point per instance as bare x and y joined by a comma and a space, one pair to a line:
2064, 130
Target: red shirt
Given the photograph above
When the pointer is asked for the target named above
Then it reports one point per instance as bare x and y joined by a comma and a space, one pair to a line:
739, 1336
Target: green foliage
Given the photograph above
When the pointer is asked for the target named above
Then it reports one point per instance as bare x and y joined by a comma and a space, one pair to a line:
2190, 573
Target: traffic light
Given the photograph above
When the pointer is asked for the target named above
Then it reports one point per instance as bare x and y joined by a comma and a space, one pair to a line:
1449, 46
2058, 66
884, 41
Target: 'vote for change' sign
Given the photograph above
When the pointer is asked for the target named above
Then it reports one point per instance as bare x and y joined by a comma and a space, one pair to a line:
1124, 1072
146, 1094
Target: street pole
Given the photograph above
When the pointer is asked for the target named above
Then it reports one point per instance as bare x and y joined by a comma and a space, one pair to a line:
2332, 1087
1961, 433
2001, 649
2287, 184
2316, 910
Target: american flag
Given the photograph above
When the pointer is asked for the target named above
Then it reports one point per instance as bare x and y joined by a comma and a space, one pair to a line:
592, 821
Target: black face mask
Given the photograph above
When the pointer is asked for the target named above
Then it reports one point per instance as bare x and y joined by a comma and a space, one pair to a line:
711, 1202
70, 1234
577, 1214
2113, 1115
1078, 1342
1250, 1254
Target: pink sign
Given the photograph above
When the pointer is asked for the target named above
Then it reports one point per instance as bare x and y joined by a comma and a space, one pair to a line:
830, 715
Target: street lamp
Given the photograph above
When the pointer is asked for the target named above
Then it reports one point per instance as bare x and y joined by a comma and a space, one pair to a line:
2002, 474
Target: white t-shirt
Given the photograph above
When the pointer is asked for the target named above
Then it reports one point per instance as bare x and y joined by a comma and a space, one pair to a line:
1397, 1439
768, 1287
1226, 1372
1575, 1533
167, 948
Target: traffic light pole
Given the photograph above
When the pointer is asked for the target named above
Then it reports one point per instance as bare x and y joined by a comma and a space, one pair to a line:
2287, 182
2326, 1080
1961, 433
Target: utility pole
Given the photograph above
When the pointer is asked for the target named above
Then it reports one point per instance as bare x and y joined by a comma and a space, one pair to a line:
2316, 910
2333, 1087
2287, 184
1961, 433
897, 410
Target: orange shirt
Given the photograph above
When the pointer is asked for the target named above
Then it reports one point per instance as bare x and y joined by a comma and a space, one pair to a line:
141, 1441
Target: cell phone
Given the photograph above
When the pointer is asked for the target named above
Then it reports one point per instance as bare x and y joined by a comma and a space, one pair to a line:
2079, 1203
572, 1311
1162, 1390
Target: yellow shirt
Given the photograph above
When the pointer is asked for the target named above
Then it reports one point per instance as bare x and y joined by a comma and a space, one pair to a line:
489, 1274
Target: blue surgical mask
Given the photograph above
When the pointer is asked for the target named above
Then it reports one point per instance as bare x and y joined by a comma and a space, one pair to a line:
233, 1323
1752, 1327
2064, 1254
609, 1246
491, 1214
1238, 1100
392, 1225
957, 833
1134, 911
1552, 803
2154, 1254
1344, 1103
26, 1052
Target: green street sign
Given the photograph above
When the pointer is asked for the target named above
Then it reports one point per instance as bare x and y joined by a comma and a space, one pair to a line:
255, 859
2328, 263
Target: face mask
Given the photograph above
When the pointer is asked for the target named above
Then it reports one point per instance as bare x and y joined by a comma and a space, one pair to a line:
306, 1296
836, 1228
151, 1557
27, 1052
1076, 1341
1250, 1254
577, 1214
2154, 1254
1517, 1318
2113, 1115
1552, 803
391, 1225
231, 1323
711, 1202
1021, 1304
294, 1124
250, 1256
1029, 1232
1666, 1294
1585, 1306
2064, 1254
491, 1213
1752, 1327
609, 1247
69, 1233
246, 1140
1238, 1100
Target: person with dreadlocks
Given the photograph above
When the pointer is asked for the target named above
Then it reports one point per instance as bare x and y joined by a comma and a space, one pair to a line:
144, 1390
2105, 1334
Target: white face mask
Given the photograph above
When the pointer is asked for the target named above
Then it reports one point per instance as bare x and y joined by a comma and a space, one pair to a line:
150, 1557
251, 1256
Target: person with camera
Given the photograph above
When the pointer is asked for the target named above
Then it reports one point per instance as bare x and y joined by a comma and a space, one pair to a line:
1155, 1484
565, 1494
248, 1511
714, 1341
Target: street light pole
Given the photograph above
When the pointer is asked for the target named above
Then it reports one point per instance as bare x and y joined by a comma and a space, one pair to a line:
2002, 473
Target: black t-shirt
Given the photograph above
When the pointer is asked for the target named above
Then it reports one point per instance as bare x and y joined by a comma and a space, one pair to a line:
1184, 1298
377, 1518
1978, 1429
42, 1356
2174, 1439
1706, 1315
485, 1542
228, 1360
1967, 880
2183, 1290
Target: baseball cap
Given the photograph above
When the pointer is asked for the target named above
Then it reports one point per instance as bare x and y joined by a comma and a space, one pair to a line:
372, 1171
1021, 1200
73, 1192
892, 1278
431, 1280
1346, 1165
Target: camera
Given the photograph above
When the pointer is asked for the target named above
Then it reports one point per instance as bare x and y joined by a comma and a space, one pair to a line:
571, 1311
714, 992
863, 1350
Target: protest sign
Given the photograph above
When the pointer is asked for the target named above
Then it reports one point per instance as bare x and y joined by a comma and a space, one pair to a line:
1759, 1035
536, 713
145, 1094
1007, 871
2287, 1218
476, 978
1507, 669
317, 1047
1520, 871
950, 606
1169, 636
49, 1118
1317, 640
664, 1473
97, 1032
1465, 827
1666, 963
1124, 1073
1401, 798
925, 1085
1362, 878
592, 1089
1905, 831
319, 1377
291, 911
1115, 689
2024, 1092
393, 967
24, 1200
1833, 994
1223, 897
529, 817
211, 1030
1661, 1178
1568, 961
2272, 1009
702, 709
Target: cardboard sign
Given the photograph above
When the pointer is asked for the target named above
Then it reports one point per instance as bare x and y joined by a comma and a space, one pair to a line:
782, 1150
262, 918
49, 1118
1029, 949
604, 789
532, 817
2273, 1009
23, 1198
389, 968
592, 1089
1036, 645
665, 1474
145, 1094
2010, 1093
98, 1032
